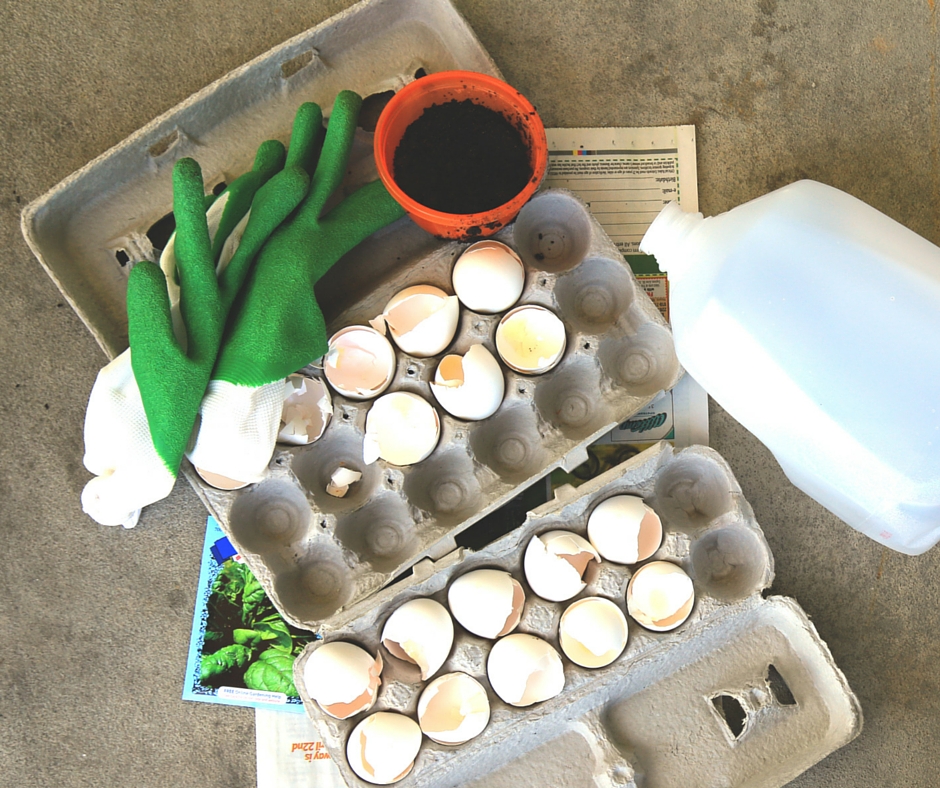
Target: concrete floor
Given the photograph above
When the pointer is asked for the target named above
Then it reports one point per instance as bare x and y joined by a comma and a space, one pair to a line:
94, 622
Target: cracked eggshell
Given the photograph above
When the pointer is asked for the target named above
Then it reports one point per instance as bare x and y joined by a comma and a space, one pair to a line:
488, 277
343, 678
487, 602
660, 596
556, 564
401, 428
470, 386
625, 530
524, 669
530, 339
421, 319
383, 747
360, 362
453, 709
421, 632
592, 632
306, 412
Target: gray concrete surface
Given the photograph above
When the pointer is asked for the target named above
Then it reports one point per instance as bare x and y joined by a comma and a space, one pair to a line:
94, 622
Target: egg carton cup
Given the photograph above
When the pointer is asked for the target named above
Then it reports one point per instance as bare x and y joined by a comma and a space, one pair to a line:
315, 554
743, 693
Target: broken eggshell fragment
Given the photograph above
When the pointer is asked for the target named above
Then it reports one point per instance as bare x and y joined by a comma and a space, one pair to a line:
592, 632
453, 709
530, 339
625, 530
383, 747
360, 362
306, 412
343, 678
341, 480
421, 319
470, 386
524, 669
660, 596
488, 277
487, 602
556, 564
421, 632
401, 428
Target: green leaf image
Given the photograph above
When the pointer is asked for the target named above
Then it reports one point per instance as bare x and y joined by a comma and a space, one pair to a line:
247, 637
275, 631
226, 658
274, 672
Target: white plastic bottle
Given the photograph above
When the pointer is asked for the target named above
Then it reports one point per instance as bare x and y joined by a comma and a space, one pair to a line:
814, 320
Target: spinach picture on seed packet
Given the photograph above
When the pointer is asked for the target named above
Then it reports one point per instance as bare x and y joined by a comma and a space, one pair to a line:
241, 651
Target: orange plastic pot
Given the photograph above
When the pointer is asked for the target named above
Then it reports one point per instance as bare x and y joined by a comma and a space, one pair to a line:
406, 107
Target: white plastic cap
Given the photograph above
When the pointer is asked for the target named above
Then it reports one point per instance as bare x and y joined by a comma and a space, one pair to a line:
667, 235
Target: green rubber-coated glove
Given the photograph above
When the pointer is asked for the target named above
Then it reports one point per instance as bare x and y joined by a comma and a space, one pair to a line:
277, 326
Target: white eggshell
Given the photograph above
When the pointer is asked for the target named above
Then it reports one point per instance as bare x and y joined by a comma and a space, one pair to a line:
453, 709
421, 631
219, 481
660, 596
469, 387
487, 602
306, 412
421, 319
524, 669
383, 747
343, 678
556, 563
401, 428
360, 362
488, 277
530, 339
624, 529
592, 632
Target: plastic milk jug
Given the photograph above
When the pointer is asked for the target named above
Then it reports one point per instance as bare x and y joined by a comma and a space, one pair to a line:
814, 320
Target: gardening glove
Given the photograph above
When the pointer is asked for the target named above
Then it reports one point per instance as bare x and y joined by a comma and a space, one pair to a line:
277, 326
143, 405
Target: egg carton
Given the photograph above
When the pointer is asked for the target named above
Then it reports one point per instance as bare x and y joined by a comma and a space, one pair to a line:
315, 554
744, 693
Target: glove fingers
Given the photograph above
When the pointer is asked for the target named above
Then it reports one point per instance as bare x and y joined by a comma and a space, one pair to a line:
336, 146
149, 322
305, 137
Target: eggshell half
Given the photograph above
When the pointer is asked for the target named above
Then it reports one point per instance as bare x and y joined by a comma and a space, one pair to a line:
530, 339
421, 319
382, 748
488, 277
343, 678
453, 709
306, 412
470, 386
625, 530
401, 428
421, 631
487, 602
660, 596
592, 632
556, 564
524, 669
360, 362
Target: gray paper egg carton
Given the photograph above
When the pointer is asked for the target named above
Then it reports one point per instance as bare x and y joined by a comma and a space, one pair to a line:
655, 718
316, 554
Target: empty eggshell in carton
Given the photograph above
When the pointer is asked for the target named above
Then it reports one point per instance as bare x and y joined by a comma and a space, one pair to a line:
624, 529
220, 482
592, 632
487, 602
343, 678
453, 709
360, 362
556, 564
660, 596
531, 339
524, 669
421, 632
470, 386
401, 428
382, 748
306, 412
649, 711
421, 319
488, 277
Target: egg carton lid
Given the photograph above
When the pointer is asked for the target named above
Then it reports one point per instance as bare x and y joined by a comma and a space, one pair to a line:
745, 693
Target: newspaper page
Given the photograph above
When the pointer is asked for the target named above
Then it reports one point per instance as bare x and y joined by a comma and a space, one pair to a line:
626, 176
290, 753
